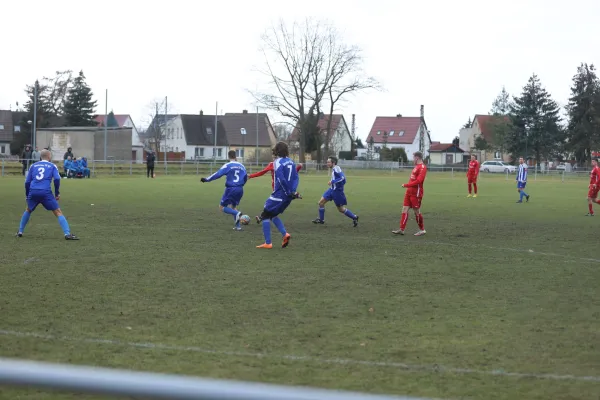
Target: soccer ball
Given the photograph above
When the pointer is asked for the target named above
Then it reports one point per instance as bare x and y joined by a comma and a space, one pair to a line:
245, 219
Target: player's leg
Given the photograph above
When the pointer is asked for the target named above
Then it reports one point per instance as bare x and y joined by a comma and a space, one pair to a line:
419, 217
265, 217
474, 188
51, 204
590, 206
31, 205
229, 198
327, 197
404, 217
279, 223
469, 183
341, 203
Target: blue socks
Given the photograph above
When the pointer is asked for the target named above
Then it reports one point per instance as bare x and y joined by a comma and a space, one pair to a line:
24, 220
266, 225
279, 224
64, 225
349, 214
522, 194
230, 211
322, 214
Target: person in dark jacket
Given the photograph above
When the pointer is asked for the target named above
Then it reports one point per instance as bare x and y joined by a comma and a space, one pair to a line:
69, 153
26, 158
150, 158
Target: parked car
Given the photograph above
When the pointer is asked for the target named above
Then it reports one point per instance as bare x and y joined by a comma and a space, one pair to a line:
497, 166
561, 167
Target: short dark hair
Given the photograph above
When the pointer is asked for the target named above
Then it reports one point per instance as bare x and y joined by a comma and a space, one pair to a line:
281, 149
418, 154
334, 160
231, 154
473, 155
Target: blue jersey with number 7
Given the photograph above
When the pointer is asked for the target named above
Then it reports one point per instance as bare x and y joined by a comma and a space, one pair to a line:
40, 177
234, 172
286, 178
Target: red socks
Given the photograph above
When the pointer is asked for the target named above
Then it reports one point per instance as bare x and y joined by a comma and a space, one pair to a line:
470, 188
419, 219
591, 207
474, 187
403, 221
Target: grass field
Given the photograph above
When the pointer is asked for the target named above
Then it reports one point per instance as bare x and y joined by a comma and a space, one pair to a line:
498, 300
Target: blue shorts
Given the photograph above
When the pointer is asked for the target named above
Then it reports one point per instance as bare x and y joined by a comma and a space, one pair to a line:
232, 196
338, 197
274, 208
521, 185
46, 199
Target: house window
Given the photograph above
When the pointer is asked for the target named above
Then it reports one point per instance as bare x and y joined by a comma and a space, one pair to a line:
391, 133
497, 154
401, 133
17, 128
199, 152
379, 132
209, 130
2, 149
1, 126
219, 152
239, 153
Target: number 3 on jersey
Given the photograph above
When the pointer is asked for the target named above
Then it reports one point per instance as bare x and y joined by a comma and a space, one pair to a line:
40, 174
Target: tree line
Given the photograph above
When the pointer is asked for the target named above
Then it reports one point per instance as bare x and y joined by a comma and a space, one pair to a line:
62, 100
531, 124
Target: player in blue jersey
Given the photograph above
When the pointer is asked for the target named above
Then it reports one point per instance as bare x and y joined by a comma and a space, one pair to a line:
235, 180
335, 193
38, 190
285, 190
522, 180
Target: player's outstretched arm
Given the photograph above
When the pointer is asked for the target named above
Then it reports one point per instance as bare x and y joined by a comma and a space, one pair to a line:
261, 173
222, 171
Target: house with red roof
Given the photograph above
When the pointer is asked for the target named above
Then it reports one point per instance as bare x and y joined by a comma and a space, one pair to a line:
339, 140
125, 121
445, 154
482, 125
410, 133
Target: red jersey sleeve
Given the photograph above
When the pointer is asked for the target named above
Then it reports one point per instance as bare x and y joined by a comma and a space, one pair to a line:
261, 173
298, 167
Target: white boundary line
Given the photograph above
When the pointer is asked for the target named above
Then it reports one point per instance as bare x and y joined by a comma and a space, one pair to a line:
397, 365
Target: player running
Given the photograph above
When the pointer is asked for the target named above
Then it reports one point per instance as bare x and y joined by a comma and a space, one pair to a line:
594, 187
38, 190
335, 193
414, 196
236, 178
269, 168
522, 180
472, 175
285, 190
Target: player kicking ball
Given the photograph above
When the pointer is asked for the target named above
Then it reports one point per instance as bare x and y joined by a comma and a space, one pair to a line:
286, 185
38, 190
269, 168
594, 187
335, 193
414, 196
235, 179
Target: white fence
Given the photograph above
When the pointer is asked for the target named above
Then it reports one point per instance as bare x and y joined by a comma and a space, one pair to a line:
64, 377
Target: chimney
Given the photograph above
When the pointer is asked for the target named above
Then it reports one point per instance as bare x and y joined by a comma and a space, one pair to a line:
398, 115
201, 112
422, 111
245, 112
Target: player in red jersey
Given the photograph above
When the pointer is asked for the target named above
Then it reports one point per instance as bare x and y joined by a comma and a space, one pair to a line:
594, 187
414, 195
472, 175
268, 168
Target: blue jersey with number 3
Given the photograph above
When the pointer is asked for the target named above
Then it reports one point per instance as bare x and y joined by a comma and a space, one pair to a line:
234, 172
40, 178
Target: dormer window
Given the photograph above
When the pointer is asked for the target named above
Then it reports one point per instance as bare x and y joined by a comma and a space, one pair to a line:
401, 133
208, 130
379, 132
391, 133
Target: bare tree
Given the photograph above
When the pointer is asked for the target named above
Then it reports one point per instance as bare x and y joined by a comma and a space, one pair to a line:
303, 64
156, 119
283, 131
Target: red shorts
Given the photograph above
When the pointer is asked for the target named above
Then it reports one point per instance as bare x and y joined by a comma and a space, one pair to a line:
471, 179
593, 193
412, 201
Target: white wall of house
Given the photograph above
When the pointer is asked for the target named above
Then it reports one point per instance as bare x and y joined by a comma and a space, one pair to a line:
5, 148
441, 157
205, 152
412, 147
174, 136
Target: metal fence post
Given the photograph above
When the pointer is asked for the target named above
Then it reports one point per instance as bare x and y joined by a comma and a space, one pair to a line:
94, 167
197, 167
2, 167
130, 167
113, 168
182, 167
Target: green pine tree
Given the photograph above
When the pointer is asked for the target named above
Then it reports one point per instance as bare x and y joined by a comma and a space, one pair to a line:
583, 110
535, 124
111, 120
79, 107
468, 124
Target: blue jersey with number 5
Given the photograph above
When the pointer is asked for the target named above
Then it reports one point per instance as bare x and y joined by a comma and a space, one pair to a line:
234, 172
40, 177
286, 178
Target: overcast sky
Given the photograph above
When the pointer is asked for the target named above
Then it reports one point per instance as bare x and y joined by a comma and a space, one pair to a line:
451, 56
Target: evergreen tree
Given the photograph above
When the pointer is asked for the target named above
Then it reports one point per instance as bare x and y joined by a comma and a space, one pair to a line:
468, 123
111, 120
500, 122
535, 123
583, 129
79, 107
359, 144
